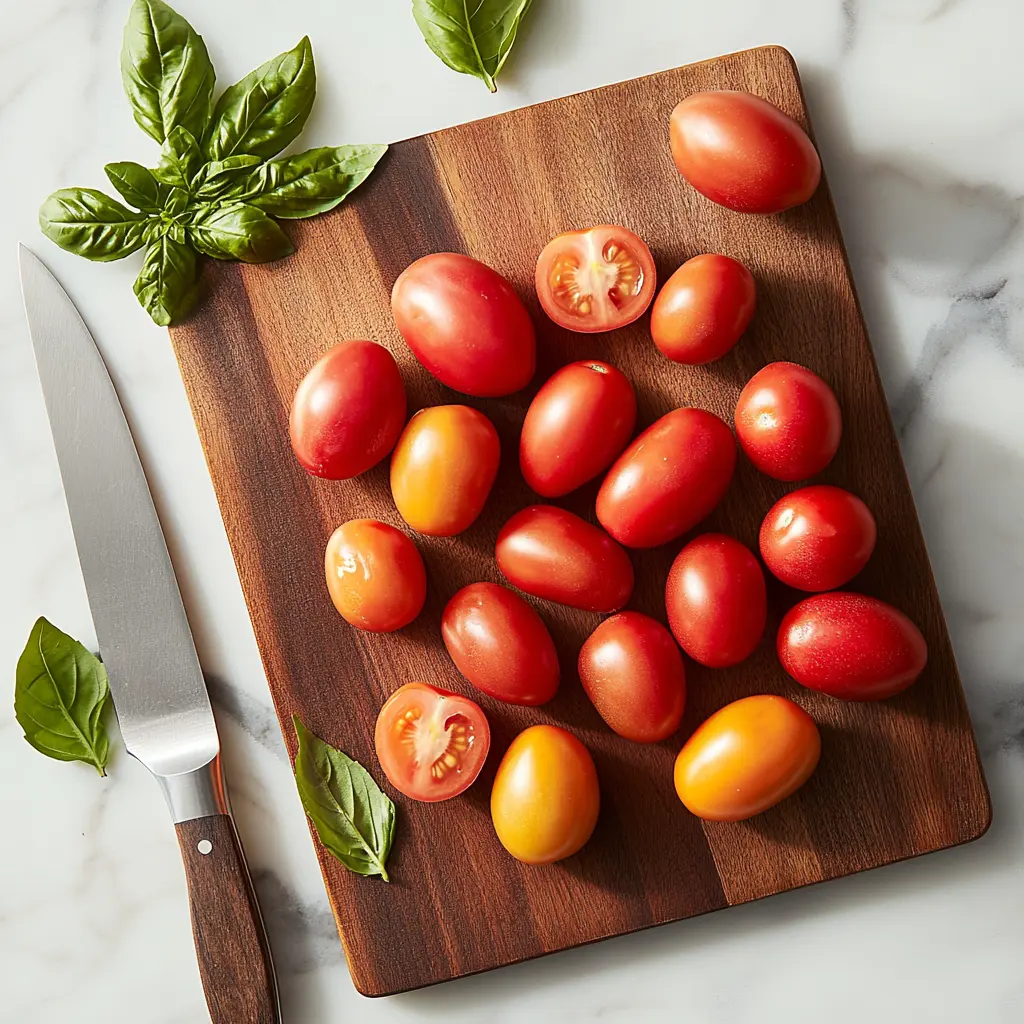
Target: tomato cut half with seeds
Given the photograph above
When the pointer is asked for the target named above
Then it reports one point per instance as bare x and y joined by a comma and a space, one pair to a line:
430, 742
597, 279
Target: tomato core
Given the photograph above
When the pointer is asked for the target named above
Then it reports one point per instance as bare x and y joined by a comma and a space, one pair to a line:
579, 283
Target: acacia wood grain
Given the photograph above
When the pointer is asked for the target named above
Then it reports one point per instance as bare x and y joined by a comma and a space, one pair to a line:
896, 779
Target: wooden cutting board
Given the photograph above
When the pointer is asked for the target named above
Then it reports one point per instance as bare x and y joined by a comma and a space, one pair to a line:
896, 779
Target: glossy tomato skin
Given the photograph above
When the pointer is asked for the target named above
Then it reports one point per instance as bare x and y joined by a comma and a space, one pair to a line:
500, 644
788, 422
817, 538
576, 425
443, 468
597, 279
546, 798
431, 743
632, 671
348, 411
743, 153
553, 554
747, 757
465, 323
668, 479
703, 309
851, 646
716, 600
375, 576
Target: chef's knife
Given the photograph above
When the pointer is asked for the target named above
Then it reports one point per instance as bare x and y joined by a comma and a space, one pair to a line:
156, 683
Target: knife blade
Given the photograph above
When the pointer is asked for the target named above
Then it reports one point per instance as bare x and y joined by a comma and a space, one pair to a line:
156, 682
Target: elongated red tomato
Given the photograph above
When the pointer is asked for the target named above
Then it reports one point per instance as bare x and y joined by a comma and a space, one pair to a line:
348, 411
668, 479
633, 674
742, 152
465, 323
817, 538
716, 600
788, 421
500, 644
578, 422
554, 554
851, 646
431, 743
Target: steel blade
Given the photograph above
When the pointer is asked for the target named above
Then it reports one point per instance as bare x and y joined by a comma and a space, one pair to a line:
156, 683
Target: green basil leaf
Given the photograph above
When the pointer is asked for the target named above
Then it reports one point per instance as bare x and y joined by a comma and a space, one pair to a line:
314, 182
166, 286
352, 817
91, 224
180, 159
177, 202
137, 185
60, 694
238, 231
218, 178
472, 38
266, 110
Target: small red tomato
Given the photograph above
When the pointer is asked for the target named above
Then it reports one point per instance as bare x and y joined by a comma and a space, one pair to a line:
579, 421
703, 309
633, 674
788, 422
716, 600
465, 323
668, 479
348, 411
500, 644
742, 152
817, 538
554, 554
851, 646
375, 576
595, 280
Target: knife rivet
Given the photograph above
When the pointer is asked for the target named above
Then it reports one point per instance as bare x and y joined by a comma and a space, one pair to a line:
204, 846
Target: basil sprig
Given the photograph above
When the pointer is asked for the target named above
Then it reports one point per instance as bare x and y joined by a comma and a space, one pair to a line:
216, 188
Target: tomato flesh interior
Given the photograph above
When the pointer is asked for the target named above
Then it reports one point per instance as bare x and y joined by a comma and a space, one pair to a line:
584, 283
435, 745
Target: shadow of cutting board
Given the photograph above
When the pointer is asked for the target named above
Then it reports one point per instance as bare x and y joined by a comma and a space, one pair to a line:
896, 779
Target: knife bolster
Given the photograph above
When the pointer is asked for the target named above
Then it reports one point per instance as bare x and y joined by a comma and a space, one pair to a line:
196, 794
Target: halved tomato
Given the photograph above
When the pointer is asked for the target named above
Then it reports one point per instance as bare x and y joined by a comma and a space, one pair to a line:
430, 742
597, 279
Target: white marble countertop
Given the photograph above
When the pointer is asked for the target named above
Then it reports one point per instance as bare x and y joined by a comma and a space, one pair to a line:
919, 112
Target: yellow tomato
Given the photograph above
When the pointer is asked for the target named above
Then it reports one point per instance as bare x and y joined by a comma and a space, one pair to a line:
746, 758
443, 468
545, 798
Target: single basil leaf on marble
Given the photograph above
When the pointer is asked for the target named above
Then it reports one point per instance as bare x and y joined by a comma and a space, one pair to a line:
313, 182
167, 74
60, 695
352, 817
137, 185
166, 286
471, 38
91, 224
219, 178
180, 159
267, 109
238, 231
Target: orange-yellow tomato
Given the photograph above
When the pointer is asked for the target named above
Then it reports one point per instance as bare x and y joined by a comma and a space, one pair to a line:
443, 468
746, 758
545, 799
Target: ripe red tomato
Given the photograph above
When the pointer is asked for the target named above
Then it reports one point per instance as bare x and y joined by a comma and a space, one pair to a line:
633, 674
746, 758
716, 600
668, 479
579, 421
443, 468
851, 646
500, 644
554, 554
788, 422
431, 743
817, 538
375, 575
465, 323
703, 309
597, 279
348, 411
742, 152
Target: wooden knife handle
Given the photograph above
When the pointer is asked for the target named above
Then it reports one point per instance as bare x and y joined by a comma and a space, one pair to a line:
234, 957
